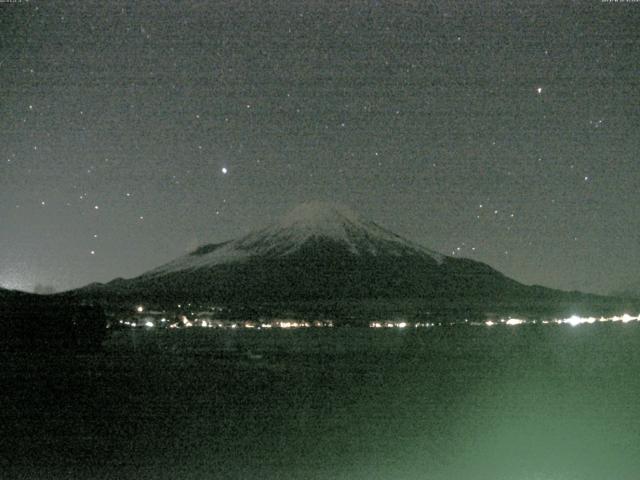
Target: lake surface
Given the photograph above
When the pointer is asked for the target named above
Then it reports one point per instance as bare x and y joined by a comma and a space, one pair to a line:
526, 402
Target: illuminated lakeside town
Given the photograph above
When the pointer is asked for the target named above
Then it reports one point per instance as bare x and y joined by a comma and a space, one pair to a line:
143, 318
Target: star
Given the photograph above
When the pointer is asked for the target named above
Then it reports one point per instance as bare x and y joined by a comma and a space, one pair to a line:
224, 170
539, 90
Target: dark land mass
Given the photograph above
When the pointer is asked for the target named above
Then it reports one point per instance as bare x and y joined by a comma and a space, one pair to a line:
326, 281
47, 322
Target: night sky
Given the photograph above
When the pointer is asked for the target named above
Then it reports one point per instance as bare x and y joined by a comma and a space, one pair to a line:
506, 132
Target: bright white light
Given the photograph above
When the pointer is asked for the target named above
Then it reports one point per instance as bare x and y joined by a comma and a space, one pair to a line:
139, 309
573, 320
149, 324
576, 320
402, 324
224, 170
515, 321
489, 323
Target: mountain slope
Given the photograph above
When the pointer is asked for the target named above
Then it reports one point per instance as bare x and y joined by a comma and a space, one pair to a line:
11, 295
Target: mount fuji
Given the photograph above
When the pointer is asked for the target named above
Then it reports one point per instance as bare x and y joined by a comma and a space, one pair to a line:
322, 252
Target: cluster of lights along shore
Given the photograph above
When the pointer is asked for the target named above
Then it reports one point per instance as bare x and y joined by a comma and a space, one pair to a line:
152, 319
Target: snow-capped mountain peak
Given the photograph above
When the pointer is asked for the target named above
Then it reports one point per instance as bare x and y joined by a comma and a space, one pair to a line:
314, 221
320, 217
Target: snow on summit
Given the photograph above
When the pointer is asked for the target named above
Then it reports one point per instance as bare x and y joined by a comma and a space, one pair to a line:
320, 217
317, 219
313, 220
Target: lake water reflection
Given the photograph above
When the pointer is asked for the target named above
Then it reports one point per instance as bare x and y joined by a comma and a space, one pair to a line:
530, 402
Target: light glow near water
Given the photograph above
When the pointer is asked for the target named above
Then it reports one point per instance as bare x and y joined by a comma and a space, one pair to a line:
573, 320
184, 321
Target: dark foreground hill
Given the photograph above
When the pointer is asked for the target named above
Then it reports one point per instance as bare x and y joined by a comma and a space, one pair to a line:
39, 322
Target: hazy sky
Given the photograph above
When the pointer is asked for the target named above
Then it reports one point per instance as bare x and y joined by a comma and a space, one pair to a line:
507, 132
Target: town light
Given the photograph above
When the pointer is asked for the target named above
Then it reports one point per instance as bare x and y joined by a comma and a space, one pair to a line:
515, 321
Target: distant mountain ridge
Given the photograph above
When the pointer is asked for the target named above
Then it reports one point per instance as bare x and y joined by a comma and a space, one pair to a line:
631, 290
6, 294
